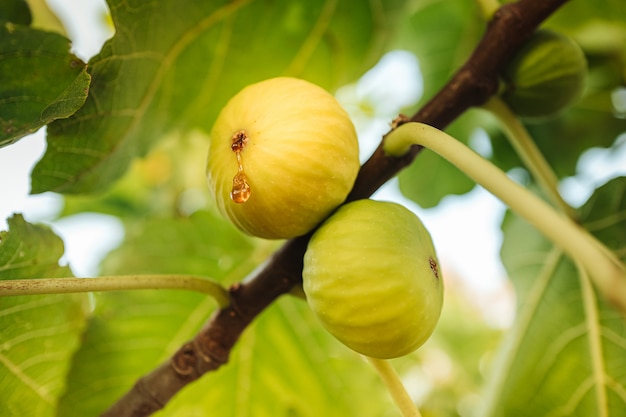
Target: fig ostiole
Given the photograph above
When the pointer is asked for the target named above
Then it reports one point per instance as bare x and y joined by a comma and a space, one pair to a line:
545, 76
283, 155
372, 278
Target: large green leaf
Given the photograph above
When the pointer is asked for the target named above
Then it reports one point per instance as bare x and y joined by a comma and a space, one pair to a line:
128, 334
202, 244
173, 67
41, 80
132, 332
39, 333
565, 354
15, 11
286, 364
442, 34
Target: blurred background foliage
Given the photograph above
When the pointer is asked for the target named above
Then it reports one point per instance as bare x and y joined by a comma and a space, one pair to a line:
136, 150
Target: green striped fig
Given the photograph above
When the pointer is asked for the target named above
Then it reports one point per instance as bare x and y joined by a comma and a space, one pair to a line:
546, 75
372, 278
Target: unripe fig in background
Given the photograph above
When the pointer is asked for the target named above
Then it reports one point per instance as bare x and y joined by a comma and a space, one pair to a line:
283, 155
546, 75
372, 278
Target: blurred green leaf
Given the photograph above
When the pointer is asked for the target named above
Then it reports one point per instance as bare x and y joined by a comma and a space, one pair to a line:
41, 81
169, 181
132, 332
561, 140
546, 365
15, 11
577, 15
286, 364
128, 334
173, 67
39, 333
441, 33
453, 358
202, 244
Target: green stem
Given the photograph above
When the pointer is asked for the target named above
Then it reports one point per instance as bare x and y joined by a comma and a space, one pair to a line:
606, 271
115, 283
529, 153
395, 387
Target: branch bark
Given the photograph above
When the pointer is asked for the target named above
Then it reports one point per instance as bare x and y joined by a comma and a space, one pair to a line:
472, 85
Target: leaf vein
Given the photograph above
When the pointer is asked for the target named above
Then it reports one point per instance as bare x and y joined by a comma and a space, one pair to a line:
558, 345
617, 388
36, 303
574, 400
37, 333
303, 55
26, 380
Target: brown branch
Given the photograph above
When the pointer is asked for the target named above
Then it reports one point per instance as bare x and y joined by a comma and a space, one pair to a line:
473, 84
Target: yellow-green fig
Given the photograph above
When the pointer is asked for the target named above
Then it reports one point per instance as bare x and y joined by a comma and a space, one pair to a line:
283, 155
372, 278
546, 75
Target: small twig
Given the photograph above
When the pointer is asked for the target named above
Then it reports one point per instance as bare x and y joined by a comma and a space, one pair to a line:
608, 275
116, 283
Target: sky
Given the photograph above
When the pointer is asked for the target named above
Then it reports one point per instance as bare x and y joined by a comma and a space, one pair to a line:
465, 229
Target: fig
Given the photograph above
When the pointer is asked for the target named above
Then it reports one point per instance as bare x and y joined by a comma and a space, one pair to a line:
372, 278
283, 155
546, 75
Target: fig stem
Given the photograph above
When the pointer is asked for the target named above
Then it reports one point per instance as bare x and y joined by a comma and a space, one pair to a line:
395, 387
115, 283
605, 269
527, 150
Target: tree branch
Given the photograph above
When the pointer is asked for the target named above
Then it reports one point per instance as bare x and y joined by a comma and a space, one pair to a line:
472, 85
